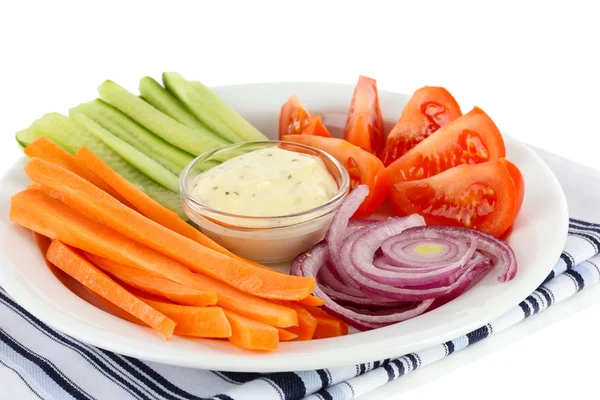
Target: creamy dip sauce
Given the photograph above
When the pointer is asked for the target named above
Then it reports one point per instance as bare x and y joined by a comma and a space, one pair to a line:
266, 183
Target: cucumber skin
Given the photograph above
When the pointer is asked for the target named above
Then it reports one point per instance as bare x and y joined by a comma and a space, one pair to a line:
76, 137
146, 165
136, 135
26, 136
160, 98
193, 141
211, 109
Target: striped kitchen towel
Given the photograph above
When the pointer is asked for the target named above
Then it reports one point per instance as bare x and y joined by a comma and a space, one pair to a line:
52, 365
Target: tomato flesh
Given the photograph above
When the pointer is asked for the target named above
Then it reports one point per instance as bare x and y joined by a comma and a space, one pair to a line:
470, 139
294, 119
363, 168
315, 127
481, 196
364, 124
429, 109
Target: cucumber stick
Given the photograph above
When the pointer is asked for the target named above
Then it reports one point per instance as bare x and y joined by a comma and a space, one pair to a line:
73, 136
64, 132
160, 98
193, 141
211, 109
26, 136
136, 135
133, 156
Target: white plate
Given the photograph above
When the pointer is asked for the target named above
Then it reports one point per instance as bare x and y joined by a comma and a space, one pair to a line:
537, 237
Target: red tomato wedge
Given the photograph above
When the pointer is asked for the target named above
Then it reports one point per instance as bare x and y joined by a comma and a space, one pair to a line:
364, 124
429, 109
481, 196
294, 119
315, 127
363, 168
519, 182
470, 139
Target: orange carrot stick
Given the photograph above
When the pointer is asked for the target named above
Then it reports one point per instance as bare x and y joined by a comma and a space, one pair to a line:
155, 285
251, 335
36, 211
82, 196
153, 210
72, 263
311, 301
47, 150
207, 322
307, 324
327, 326
286, 336
105, 305
242, 303
232, 299
191, 321
228, 297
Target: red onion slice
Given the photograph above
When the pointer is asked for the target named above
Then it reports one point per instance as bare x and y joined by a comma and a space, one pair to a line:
310, 263
356, 224
337, 229
334, 288
418, 293
480, 264
387, 274
486, 243
403, 250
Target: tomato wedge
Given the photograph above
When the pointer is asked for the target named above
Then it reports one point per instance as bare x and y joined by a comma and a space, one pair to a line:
470, 139
295, 120
315, 127
519, 182
363, 168
364, 124
481, 196
429, 109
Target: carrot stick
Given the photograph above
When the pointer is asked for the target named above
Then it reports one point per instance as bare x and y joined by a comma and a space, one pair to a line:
159, 214
311, 301
191, 321
242, 303
105, 305
82, 196
286, 336
307, 324
36, 211
39, 213
207, 322
251, 335
327, 326
155, 285
228, 297
68, 260
47, 150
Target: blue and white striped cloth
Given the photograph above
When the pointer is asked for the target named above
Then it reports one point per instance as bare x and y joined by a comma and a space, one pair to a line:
55, 366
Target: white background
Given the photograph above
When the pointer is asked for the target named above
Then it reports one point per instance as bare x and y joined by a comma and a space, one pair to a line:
533, 66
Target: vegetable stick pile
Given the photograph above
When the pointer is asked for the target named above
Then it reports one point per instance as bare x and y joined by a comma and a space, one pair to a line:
150, 266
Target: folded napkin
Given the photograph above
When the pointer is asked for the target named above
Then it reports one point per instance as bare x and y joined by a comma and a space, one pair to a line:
55, 366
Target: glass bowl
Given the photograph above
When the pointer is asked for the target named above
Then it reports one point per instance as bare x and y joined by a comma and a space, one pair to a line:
258, 238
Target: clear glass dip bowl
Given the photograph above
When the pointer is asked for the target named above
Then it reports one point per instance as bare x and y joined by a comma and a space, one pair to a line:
262, 239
